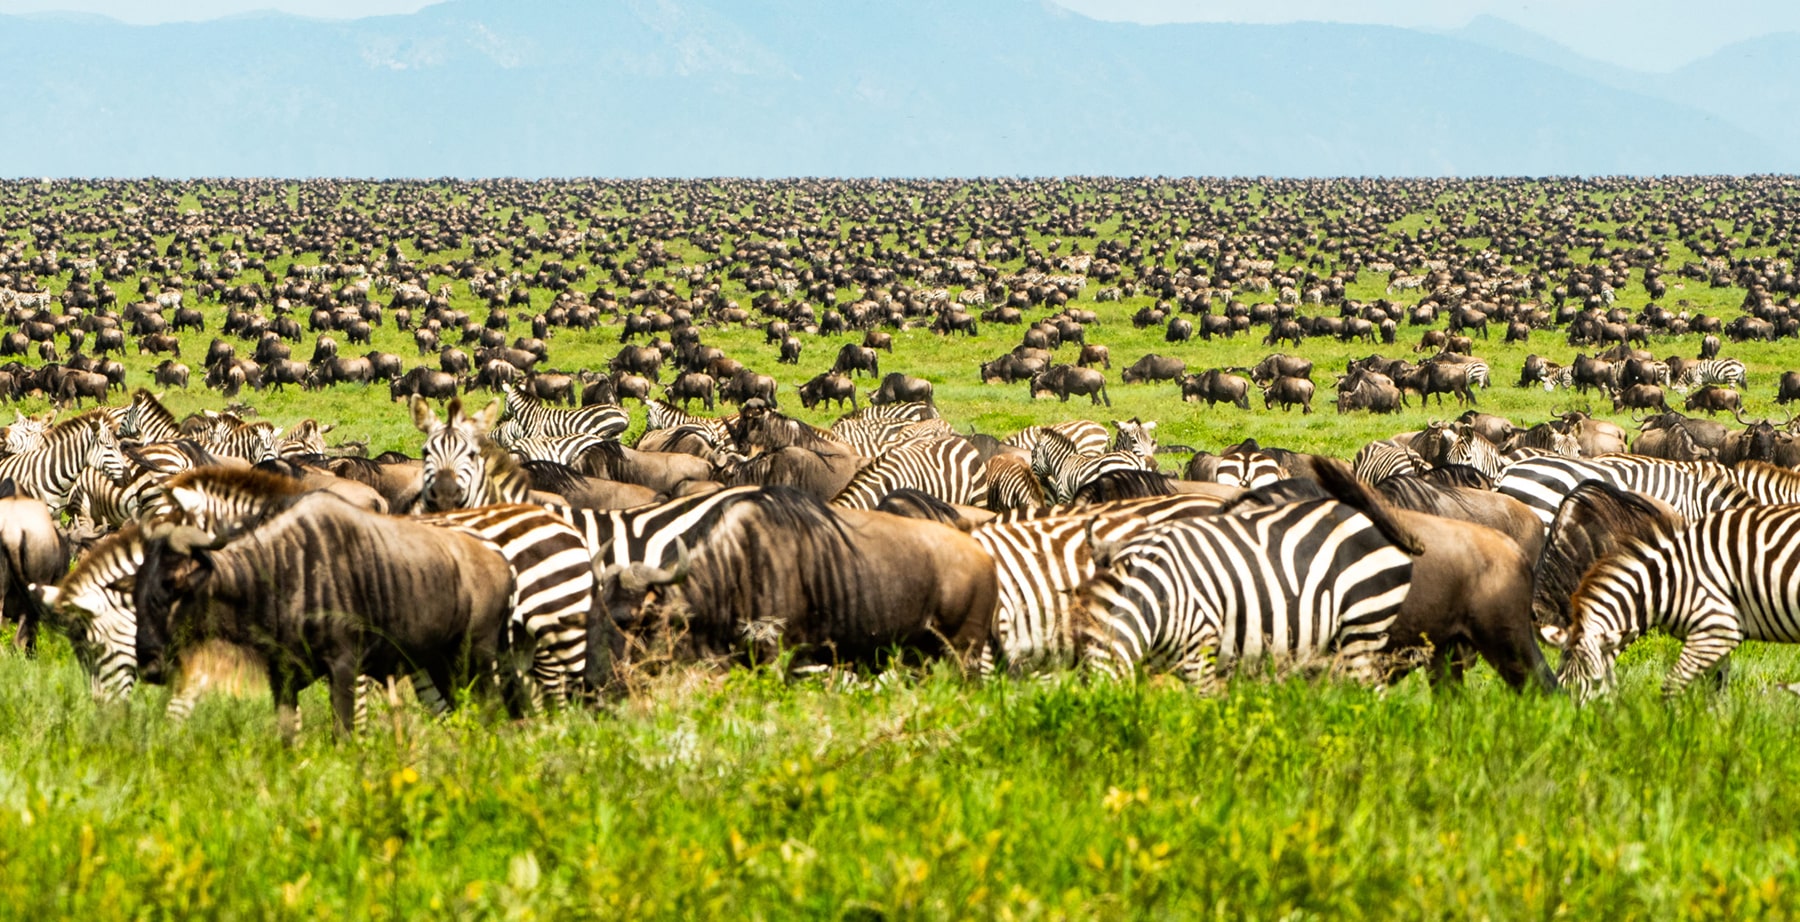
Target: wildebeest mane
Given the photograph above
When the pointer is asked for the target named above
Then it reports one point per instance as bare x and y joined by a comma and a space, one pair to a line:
917, 504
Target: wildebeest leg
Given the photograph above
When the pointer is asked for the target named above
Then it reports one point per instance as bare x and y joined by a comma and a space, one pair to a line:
348, 697
1513, 652
285, 689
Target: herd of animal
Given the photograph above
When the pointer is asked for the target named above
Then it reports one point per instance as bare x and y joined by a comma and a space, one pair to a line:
529, 547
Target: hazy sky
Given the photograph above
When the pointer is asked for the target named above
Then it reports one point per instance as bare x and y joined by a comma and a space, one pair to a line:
1642, 34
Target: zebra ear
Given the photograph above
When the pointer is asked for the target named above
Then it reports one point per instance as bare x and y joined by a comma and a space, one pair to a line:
484, 420
1553, 635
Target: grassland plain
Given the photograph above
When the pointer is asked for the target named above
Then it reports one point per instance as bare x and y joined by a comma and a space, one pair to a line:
915, 794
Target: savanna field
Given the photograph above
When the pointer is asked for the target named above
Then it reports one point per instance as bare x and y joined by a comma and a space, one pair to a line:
915, 792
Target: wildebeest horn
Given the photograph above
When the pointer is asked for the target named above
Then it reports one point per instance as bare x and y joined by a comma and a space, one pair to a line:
1737, 413
641, 576
184, 539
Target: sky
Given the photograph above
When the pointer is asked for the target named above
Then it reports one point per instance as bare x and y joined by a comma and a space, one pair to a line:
1649, 35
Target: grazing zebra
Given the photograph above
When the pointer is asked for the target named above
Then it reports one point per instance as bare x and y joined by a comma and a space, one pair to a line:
306, 438
49, 473
1063, 468
1477, 373
525, 415
1246, 465
1200, 595
1089, 436
1042, 561
93, 604
1136, 437
949, 469
1725, 579
1379, 460
1691, 488
1726, 372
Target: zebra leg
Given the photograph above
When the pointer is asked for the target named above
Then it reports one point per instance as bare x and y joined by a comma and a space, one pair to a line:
1199, 663
1706, 647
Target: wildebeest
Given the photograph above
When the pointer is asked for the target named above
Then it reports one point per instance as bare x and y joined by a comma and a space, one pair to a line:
170, 373
322, 589
899, 388
1066, 380
1640, 397
1714, 399
1153, 367
787, 572
32, 551
853, 359
1214, 386
1094, 354
1288, 391
690, 386
747, 384
825, 387
1789, 389
1279, 365
423, 382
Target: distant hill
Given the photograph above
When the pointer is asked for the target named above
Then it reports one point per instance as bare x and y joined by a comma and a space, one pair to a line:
901, 87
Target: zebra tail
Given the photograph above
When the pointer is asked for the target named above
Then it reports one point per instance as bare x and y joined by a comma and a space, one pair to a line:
1336, 479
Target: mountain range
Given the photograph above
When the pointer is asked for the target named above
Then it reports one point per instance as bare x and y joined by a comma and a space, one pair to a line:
860, 88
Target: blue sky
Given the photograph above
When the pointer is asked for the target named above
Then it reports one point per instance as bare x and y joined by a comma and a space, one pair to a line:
1651, 35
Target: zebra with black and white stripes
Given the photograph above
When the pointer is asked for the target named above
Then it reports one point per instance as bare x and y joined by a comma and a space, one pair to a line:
1011, 484
94, 606
1379, 460
1471, 449
1725, 579
1089, 436
1041, 561
1692, 488
660, 414
1291, 583
524, 415
1136, 437
948, 469
1245, 465
79, 443
1064, 469
1723, 372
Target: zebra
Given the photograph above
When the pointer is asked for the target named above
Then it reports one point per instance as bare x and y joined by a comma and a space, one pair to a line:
1691, 488
563, 449
1063, 468
145, 420
529, 416
1472, 449
949, 469
660, 414
1725, 579
1089, 436
1248, 466
253, 441
306, 439
1202, 594
1138, 438
1728, 372
462, 469
50, 472
1381, 459
1011, 484
1764, 483
1477, 373
895, 426
26, 433
1040, 562
95, 607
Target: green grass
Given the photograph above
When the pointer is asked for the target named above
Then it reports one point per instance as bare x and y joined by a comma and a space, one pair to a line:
917, 794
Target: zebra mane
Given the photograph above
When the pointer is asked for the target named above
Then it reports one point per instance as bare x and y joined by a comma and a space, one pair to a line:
151, 414
96, 418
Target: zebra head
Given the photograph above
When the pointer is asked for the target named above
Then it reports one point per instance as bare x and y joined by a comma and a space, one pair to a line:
1588, 653
93, 606
455, 472
1138, 438
105, 455
26, 433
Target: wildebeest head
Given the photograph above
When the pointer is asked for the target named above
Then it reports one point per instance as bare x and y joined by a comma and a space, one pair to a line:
628, 588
